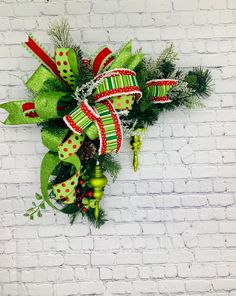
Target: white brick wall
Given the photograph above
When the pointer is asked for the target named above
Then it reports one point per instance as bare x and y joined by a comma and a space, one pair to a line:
172, 228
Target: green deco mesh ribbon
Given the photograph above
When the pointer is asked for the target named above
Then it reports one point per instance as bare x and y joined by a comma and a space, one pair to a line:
36, 82
46, 104
126, 59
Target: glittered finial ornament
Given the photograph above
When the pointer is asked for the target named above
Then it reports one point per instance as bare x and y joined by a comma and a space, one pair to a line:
98, 181
136, 144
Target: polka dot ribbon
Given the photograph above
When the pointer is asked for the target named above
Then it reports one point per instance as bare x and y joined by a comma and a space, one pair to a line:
64, 65
67, 65
158, 90
65, 191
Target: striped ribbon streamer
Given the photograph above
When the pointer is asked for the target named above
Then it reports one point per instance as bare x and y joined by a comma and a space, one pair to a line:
41, 54
109, 127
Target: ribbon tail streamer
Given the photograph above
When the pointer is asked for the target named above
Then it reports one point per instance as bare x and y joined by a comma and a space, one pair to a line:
49, 163
39, 53
18, 116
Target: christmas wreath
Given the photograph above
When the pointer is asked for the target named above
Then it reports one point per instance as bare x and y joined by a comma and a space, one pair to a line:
85, 107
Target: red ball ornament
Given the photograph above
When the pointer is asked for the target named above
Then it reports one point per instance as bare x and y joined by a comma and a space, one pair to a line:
84, 210
89, 193
81, 182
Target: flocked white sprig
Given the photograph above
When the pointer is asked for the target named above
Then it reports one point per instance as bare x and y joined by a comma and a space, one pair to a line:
87, 89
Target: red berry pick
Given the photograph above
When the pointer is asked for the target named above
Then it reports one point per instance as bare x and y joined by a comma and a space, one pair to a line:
90, 193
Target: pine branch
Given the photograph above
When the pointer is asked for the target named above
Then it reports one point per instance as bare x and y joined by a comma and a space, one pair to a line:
110, 165
168, 55
200, 81
59, 33
90, 216
101, 218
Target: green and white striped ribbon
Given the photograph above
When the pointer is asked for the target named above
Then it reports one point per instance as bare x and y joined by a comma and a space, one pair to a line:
109, 128
158, 90
115, 83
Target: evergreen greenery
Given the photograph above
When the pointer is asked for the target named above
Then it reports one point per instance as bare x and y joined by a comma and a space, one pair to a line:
90, 216
110, 165
199, 80
59, 33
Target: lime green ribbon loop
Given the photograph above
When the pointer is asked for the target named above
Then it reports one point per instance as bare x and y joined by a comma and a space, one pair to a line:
16, 115
53, 136
125, 58
36, 83
46, 104
48, 165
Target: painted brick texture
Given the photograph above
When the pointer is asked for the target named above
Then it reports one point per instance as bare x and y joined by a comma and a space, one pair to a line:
172, 225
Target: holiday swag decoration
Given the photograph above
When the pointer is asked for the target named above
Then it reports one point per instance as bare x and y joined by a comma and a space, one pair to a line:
85, 108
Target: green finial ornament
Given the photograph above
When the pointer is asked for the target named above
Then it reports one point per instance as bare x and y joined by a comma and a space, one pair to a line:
136, 144
98, 181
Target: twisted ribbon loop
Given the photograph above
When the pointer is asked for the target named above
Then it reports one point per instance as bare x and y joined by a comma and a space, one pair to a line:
118, 82
80, 118
67, 153
158, 90
67, 65
109, 127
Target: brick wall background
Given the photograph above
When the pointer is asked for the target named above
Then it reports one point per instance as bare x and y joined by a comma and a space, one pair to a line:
172, 228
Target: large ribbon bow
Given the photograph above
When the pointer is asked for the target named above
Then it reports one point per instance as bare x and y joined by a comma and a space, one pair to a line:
117, 90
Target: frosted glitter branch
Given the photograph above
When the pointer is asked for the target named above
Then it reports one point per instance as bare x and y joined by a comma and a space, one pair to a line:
87, 89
